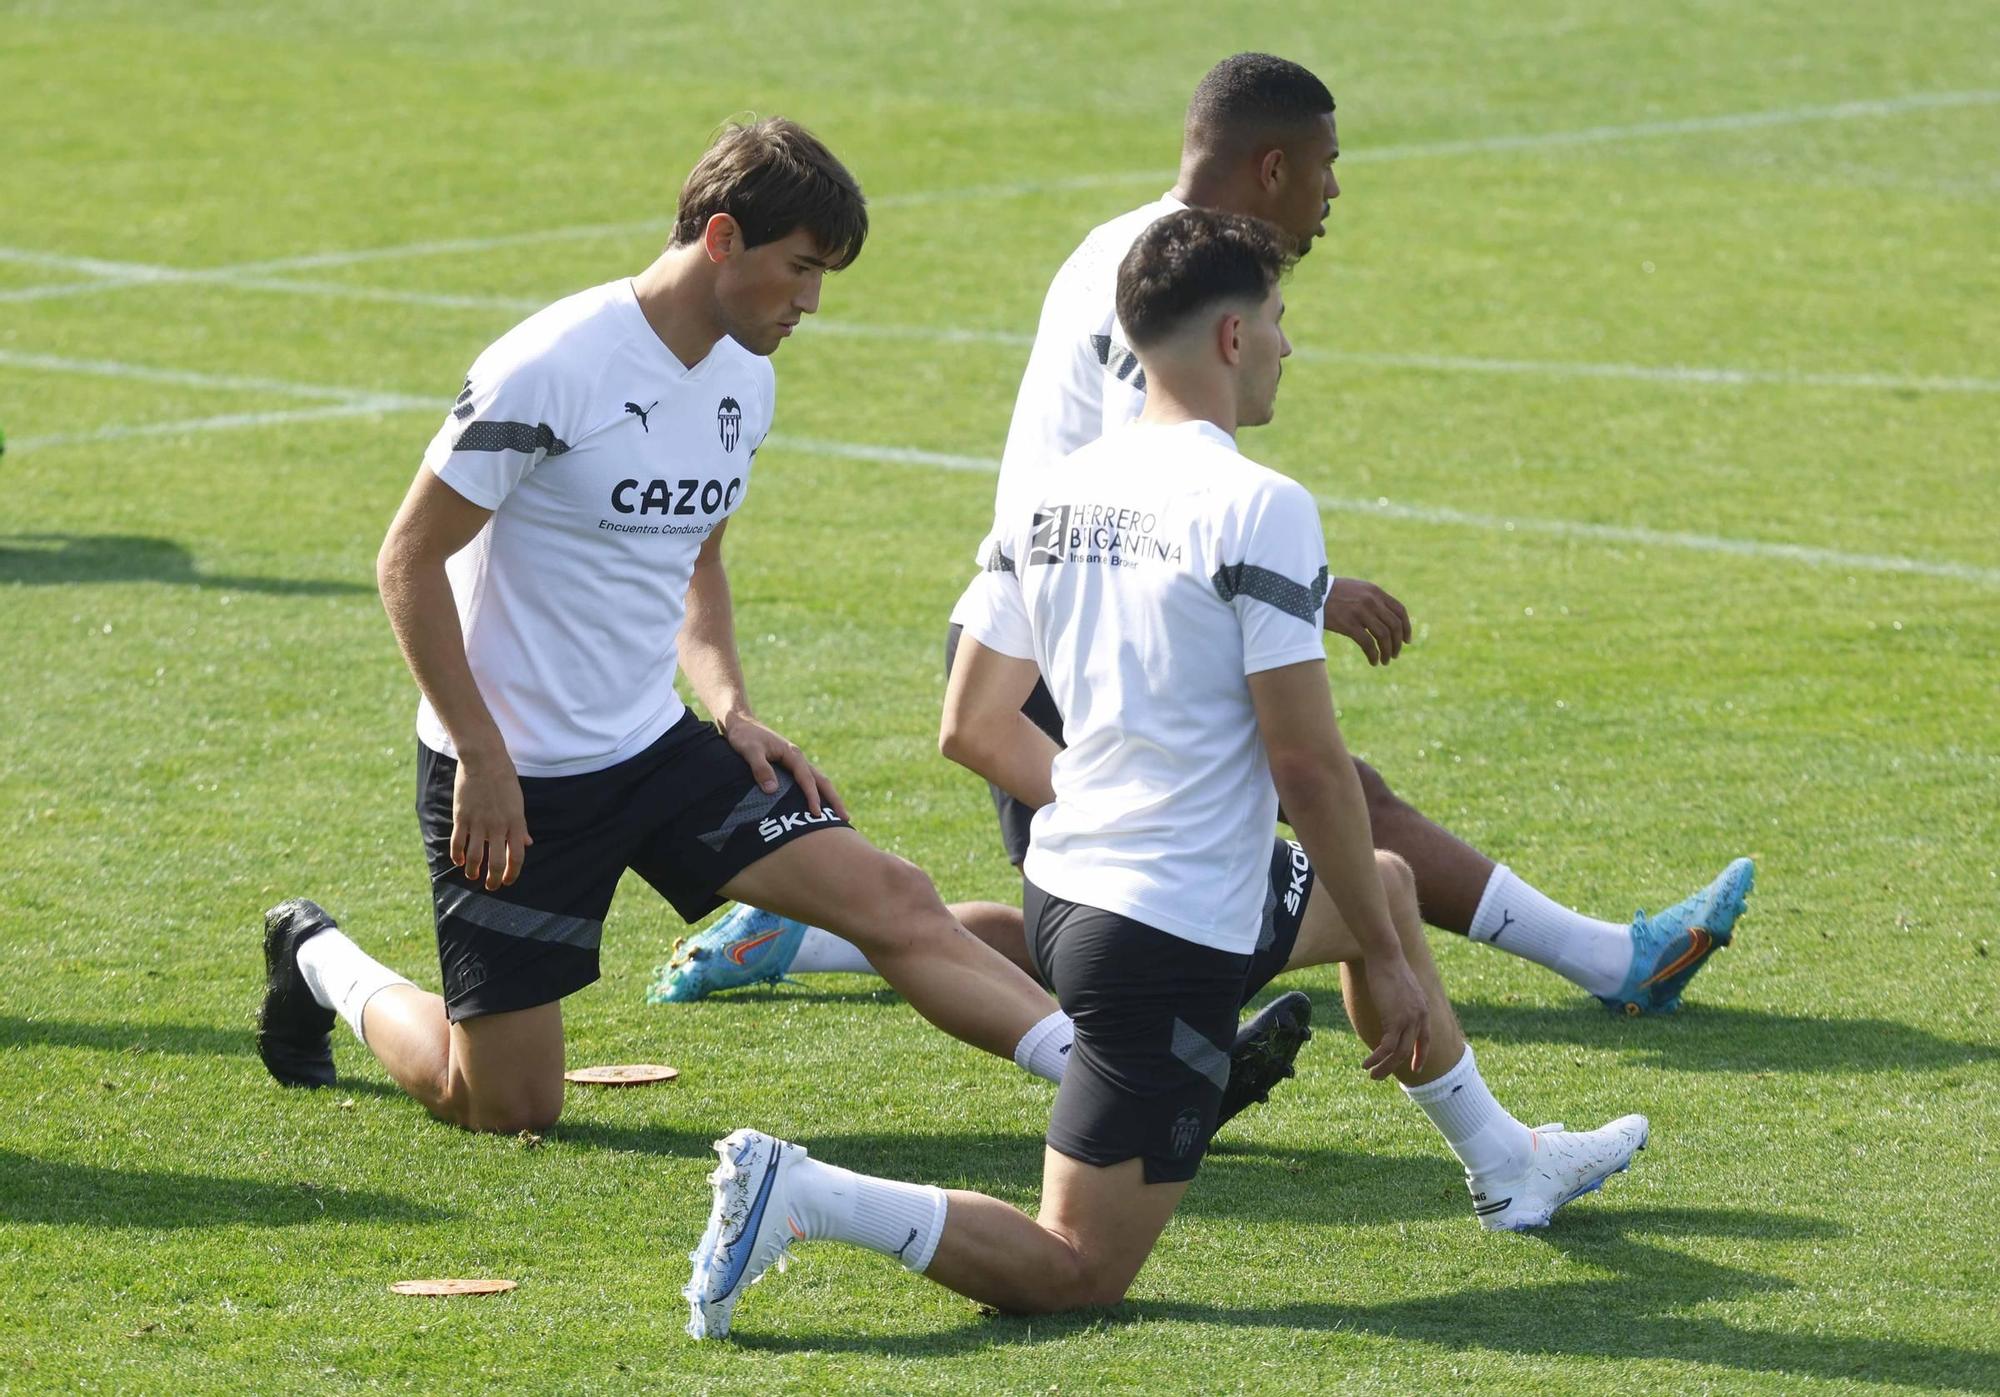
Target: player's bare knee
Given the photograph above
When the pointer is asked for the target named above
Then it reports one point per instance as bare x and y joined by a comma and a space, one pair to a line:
909, 893
512, 1117
1376, 790
1067, 1280
1399, 885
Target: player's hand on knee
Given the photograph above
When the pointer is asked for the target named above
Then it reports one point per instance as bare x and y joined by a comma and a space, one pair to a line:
765, 751
1375, 621
1403, 1012
489, 824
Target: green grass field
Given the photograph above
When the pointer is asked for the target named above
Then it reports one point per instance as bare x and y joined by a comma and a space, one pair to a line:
1668, 336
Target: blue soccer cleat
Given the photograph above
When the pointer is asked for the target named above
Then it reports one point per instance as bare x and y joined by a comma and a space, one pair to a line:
1668, 947
745, 947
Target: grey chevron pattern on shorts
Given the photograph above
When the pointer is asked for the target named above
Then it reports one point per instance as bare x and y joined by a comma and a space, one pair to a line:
755, 805
468, 904
1194, 1049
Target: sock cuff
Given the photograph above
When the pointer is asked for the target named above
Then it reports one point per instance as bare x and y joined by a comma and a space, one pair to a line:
362, 993
1493, 893
918, 1258
1024, 1051
1444, 1086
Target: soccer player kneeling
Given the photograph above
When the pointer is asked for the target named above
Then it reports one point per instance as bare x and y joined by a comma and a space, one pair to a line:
1169, 591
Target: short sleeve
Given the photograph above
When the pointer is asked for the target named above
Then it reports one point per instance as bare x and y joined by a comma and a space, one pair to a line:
994, 612
1272, 570
502, 426
1121, 381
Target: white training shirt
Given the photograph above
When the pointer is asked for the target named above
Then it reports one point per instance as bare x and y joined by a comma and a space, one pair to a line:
1148, 577
607, 462
1081, 380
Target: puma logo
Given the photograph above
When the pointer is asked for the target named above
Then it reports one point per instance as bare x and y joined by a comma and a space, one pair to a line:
1506, 920
640, 413
898, 1252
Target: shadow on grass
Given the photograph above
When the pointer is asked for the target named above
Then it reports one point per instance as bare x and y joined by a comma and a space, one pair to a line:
1642, 1310
86, 1195
42, 560
1308, 1184
1700, 1038
1714, 1038
196, 1040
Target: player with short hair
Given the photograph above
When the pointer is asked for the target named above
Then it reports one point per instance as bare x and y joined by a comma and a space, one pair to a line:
1260, 139
1169, 592
557, 556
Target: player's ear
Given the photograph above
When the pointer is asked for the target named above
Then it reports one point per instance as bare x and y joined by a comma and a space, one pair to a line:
1229, 337
1271, 167
722, 237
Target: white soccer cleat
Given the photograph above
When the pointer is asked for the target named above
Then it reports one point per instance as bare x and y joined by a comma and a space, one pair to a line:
1562, 1166
749, 1228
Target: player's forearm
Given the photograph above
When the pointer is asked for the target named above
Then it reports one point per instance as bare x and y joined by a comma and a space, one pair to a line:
1323, 801
708, 645
417, 596
1008, 750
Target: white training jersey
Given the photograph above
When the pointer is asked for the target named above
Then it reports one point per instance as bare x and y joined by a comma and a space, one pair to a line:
607, 462
1081, 380
1146, 579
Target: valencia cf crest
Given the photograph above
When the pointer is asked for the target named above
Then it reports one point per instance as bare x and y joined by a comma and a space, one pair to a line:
1186, 1130
729, 422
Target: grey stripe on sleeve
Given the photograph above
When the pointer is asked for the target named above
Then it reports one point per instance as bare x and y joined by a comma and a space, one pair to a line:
1272, 588
510, 436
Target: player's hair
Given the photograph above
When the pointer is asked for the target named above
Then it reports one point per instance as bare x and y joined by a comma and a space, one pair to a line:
774, 177
1191, 260
1253, 96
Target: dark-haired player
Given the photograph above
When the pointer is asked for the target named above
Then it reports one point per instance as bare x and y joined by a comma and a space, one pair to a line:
557, 556
1169, 593
1260, 139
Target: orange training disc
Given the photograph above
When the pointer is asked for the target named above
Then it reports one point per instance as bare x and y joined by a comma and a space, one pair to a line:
455, 1287
631, 1074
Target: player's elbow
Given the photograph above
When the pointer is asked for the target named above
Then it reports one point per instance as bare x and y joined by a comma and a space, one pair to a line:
394, 560
1300, 774
964, 740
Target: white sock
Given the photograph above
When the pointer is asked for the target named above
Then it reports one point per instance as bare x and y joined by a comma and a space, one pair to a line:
1485, 1138
1590, 954
342, 976
838, 1205
1044, 1049
822, 953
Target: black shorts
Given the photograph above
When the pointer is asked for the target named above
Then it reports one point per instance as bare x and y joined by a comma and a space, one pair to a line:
684, 815
1155, 1020
1041, 710
1292, 881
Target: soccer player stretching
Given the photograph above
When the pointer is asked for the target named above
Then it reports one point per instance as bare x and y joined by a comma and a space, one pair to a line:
1169, 591
1260, 139
558, 554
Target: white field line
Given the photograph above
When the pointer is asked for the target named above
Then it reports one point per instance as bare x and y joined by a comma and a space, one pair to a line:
183, 378
358, 407
358, 403
1689, 125
1461, 363
1824, 558
114, 275
1684, 374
